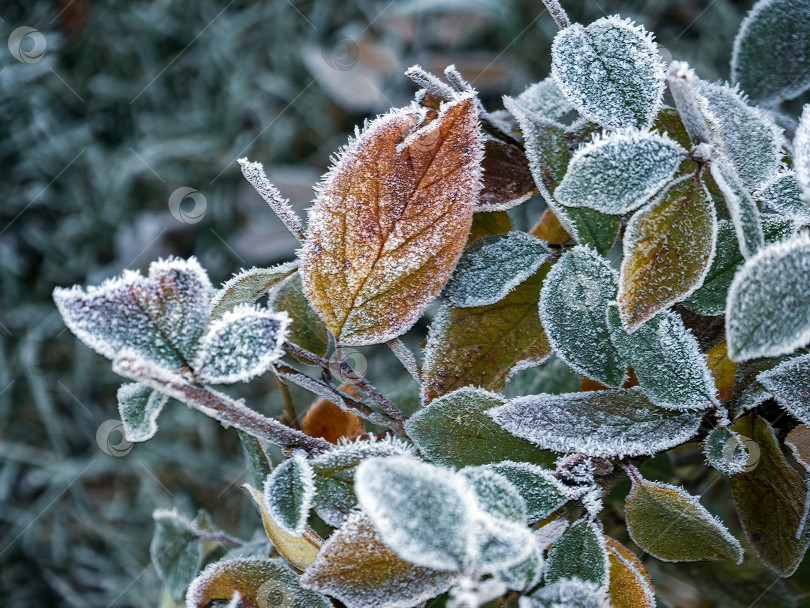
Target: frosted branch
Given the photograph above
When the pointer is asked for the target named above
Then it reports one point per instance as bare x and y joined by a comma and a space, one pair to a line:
254, 173
557, 13
430, 83
406, 357
366, 387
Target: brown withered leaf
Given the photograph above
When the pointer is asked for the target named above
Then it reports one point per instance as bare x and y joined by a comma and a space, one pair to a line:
482, 346
630, 585
507, 178
723, 371
391, 220
491, 223
325, 419
798, 440
668, 249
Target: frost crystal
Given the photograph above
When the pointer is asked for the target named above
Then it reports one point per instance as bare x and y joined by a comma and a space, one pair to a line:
801, 158
572, 593
781, 192
492, 267
241, 345
573, 312
288, 494
609, 424
610, 71
546, 99
789, 383
139, 407
160, 316
619, 172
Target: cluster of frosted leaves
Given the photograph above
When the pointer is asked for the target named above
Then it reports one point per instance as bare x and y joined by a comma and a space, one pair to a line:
288, 494
667, 361
139, 407
801, 157
247, 286
673, 526
782, 194
741, 207
789, 383
492, 267
257, 581
619, 172
545, 99
612, 423
610, 71
391, 219
771, 57
176, 552
766, 317
726, 451
573, 312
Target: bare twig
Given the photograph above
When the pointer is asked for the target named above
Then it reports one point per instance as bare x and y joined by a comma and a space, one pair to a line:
254, 173
222, 538
289, 406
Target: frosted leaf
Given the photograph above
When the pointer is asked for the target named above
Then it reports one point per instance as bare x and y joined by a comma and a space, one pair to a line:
667, 361
334, 475
747, 136
741, 207
726, 451
789, 383
139, 407
306, 329
248, 286
470, 591
422, 512
798, 440
288, 494
241, 345
496, 495
356, 568
781, 192
710, 299
579, 553
619, 172
573, 312
525, 574
542, 492
610, 71
546, 99
507, 180
492, 267
259, 582
160, 317
567, 594
801, 157
768, 309
175, 550
500, 543
630, 585
771, 57
613, 423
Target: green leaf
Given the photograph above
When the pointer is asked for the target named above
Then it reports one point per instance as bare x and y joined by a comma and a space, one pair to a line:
455, 431
541, 491
782, 193
770, 501
668, 250
573, 311
570, 593
771, 58
288, 494
496, 494
667, 361
768, 308
492, 267
259, 583
139, 407
525, 574
741, 207
673, 526
614, 423
488, 224
306, 330
255, 457
579, 553
727, 452
789, 383
610, 71
176, 552
484, 346
248, 286
618, 173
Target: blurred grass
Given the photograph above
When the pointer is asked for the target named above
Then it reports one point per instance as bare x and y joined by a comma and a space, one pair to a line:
134, 99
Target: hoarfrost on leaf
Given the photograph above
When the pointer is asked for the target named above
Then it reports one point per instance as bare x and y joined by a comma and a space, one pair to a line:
248, 286
526, 574
542, 492
573, 312
630, 585
610, 71
496, 495
613, 423
801, 157
789, 383
741, 207
726, 451
492, 267
139, 407
568, 593
619, 172
176, 551
579, 553
781, 192
288, 494
241, 345
546, 99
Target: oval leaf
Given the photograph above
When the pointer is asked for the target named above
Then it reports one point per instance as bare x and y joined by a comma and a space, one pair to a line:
781, 192
545, 99
579, 553
630, 585
727, 452
288, 494
139, 407
326, 420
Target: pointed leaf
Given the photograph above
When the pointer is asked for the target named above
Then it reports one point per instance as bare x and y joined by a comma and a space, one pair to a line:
673, 526
489, 224
610, 71
599, 423
484, 346
770, 501
248, 286
391, 220
771, 58
306, 329
741, 207
727, 452
630, 585
160, 317
258, 582
767, 317
139, 407
573, 312
542, 492
288, 494
781, 192
255, 457
176, 551
492, 267
579, 553
668, 250
507, 180
241, 345
801, 157
545, 99
355, 567
789, 383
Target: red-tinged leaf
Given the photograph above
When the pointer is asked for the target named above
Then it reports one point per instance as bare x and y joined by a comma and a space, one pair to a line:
507, 178
391, 220
355, 567
327, 420
630, 585
483, 346
489, 224
668, 249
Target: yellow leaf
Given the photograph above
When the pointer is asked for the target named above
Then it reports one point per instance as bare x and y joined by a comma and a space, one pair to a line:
723, 370
630, 585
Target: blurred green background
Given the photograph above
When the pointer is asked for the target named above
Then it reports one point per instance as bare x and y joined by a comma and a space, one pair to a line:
132, 100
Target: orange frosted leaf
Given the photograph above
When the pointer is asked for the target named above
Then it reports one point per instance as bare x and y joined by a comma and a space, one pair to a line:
325, 419
630, 585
